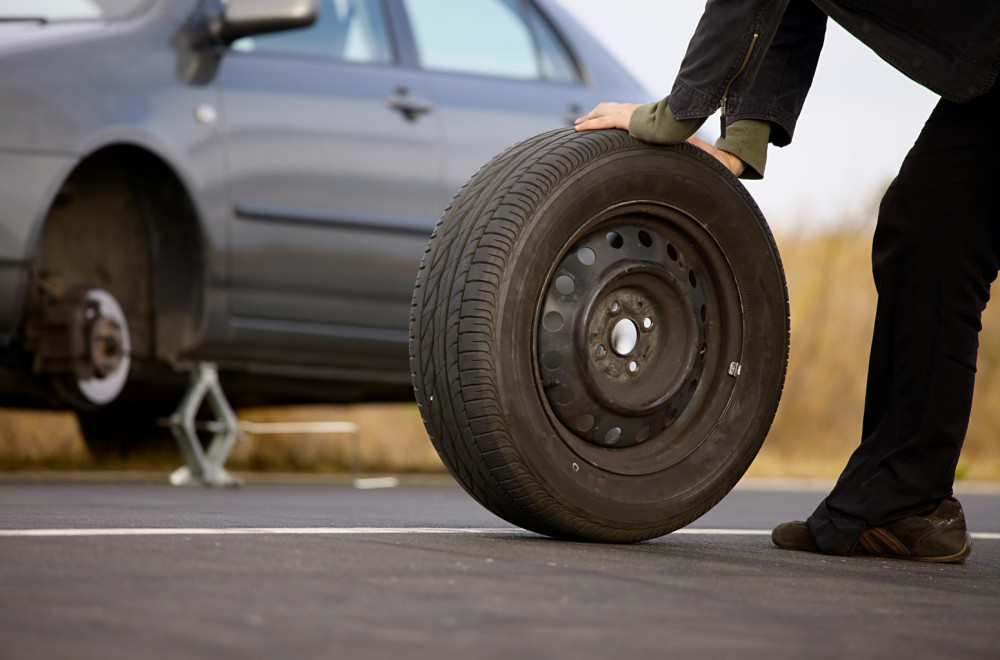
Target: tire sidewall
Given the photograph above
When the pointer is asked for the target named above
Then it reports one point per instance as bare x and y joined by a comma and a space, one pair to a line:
718, 204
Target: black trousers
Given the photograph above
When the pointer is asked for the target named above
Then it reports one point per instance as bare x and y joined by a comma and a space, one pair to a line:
935, 253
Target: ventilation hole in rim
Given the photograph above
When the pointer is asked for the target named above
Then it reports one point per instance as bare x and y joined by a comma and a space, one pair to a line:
553, 322
562, 395
586, 256
552, 360
691, 278
615, 239
585, 422
565, 285
613, 435
645, 239
672, 252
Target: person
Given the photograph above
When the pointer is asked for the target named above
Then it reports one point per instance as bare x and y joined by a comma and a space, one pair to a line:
935, 251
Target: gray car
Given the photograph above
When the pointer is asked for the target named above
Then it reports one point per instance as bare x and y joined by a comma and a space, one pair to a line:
250, 183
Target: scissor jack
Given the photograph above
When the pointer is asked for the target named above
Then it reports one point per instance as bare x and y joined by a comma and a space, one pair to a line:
206, 466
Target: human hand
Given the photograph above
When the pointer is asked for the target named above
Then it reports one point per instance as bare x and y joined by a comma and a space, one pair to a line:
607, 115
731, 161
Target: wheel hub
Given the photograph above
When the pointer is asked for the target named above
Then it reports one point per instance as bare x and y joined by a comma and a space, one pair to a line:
84, 344
621, 343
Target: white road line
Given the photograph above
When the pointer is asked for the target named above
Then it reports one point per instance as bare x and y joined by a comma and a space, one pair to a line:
280, 531
346, 531
708, 531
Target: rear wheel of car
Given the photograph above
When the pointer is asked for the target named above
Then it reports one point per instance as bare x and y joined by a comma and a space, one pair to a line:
90, 322
599, 335
130, 429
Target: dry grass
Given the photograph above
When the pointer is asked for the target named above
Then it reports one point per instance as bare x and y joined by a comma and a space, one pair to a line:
33, 439
817, 426
392, 440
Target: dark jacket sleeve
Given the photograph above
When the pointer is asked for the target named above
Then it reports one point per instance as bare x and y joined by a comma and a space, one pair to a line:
755, 59
776, 94
724, 55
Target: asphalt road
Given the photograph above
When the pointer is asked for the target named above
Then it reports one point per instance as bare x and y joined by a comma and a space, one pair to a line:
131, 570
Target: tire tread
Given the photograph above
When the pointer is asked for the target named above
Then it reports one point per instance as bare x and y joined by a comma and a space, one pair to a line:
453, 317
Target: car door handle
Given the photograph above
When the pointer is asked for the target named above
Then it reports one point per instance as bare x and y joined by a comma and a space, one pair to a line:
409, 104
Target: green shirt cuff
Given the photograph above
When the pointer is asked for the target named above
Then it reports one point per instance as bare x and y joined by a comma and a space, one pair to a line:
747, 139
655, 123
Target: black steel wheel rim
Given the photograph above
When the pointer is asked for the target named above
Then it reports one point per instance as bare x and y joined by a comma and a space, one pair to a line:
638, 335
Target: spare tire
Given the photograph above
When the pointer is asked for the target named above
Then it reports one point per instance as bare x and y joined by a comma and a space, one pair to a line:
599, 335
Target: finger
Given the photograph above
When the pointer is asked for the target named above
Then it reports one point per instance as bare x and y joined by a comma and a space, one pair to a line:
733, 163
590, 115
701, 144
601, 110
597, 123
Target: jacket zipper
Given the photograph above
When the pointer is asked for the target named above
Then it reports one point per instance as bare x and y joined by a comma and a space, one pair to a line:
725, 93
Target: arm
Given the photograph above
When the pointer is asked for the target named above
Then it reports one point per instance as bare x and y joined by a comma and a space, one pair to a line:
745, 150
765, 82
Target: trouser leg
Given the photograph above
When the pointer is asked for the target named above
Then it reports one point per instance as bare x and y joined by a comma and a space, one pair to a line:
934, 256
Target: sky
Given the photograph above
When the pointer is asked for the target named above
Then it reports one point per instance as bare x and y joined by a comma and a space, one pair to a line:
859, 120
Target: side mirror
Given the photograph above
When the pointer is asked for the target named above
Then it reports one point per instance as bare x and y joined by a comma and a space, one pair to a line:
243, 18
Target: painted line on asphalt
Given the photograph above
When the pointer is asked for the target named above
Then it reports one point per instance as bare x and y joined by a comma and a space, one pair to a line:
245, 531
346, 531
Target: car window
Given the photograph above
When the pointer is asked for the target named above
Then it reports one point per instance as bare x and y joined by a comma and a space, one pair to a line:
347, 30
557, 64
486, 37
68, 10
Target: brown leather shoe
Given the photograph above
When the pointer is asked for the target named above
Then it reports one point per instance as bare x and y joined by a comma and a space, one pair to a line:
938, 537
794, 535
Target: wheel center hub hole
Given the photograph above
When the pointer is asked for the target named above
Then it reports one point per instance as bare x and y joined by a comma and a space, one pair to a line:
624, 337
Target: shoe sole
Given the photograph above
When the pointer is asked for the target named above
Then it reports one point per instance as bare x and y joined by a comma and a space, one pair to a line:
956, 558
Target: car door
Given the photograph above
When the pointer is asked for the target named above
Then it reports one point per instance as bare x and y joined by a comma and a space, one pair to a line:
500, 73
334, 184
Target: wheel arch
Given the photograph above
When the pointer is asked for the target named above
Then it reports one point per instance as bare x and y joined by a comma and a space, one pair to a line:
123, 219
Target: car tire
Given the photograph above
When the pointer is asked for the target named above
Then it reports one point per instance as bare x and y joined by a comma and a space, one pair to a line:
599, 335
128, 430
